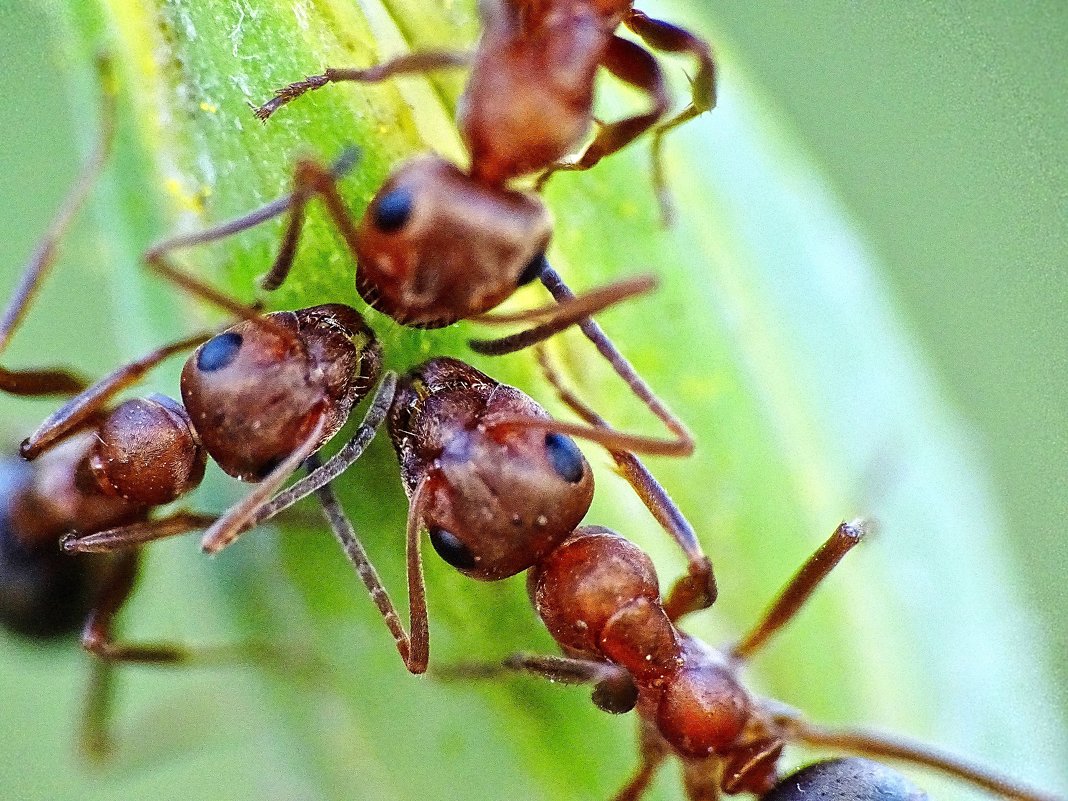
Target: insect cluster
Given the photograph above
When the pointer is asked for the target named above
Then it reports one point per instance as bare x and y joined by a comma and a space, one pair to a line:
499, 486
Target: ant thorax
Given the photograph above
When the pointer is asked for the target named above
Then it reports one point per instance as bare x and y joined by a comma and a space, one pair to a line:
256, 391
495, 493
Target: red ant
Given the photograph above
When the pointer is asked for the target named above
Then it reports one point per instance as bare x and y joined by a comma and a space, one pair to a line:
494, 478
599, 597
437, 245
528, 102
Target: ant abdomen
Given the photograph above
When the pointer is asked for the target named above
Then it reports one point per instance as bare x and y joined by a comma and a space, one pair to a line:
495, 495
853, 779
257, 391
43, 593
527, 103
147, 451
435, 246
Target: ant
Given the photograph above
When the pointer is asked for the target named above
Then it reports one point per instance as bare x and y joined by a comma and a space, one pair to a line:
599, 597
528, 102
478, 458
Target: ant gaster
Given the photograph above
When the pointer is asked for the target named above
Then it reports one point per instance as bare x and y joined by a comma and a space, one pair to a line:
598, 596
528, 101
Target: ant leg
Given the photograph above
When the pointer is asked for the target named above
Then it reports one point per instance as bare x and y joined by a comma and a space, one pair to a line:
614, 689
652, 751
310, 179
632, 64
911, 752
156, 257
58, 382
94, 737
80, 410
97, 636
593, 332
402, 65
414, 649
558, 316
136, 534
697, 589
670, 38
801, 587
237, 518
341, 461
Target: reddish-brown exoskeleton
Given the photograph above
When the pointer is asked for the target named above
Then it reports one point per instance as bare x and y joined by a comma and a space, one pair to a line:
499, 484
92, 482
599, 597
528, 102
261, 397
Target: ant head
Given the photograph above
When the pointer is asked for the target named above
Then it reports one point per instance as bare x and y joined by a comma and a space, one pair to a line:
147, 452
435, 247
256, 391
497, 496
853, 779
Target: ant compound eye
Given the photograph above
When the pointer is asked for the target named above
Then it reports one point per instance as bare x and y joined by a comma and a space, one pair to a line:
565, 457
218, 352
533, 270
392, 210
450, 549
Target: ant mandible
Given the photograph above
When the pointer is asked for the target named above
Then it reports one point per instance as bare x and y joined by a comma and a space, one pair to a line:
598, 596
528, 101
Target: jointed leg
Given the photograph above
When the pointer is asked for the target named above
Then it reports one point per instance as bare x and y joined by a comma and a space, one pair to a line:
94, 737
614, 689
136, 534
239, 517
414, 650
340, 461
670, 38
652, 751
801, 587
697, 590
157, 256
634, 65
559, 316
887, 747
81, 409
97, 635
58, 382
403, 65
561, 293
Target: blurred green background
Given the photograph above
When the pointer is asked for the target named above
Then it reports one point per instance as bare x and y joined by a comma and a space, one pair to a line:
942, 133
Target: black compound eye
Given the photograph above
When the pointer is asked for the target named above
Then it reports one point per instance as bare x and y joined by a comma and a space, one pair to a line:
392, 210
218, 352
450, 549
565, 457
534, 269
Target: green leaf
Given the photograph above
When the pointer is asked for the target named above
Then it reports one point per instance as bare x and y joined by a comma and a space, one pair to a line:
771, 335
